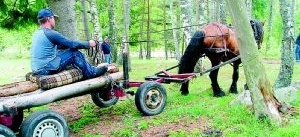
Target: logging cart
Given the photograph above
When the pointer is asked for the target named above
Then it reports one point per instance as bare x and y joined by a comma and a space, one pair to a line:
105, 91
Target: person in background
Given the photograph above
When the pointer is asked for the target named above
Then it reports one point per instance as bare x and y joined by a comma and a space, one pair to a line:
297, 49
105, 46
51, 52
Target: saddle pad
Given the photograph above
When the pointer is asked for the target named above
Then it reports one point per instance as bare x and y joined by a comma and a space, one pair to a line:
51, 81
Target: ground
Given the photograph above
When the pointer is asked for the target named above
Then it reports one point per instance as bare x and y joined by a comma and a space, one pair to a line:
70, 109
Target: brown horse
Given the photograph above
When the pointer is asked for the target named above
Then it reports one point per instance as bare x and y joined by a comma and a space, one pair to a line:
219, 43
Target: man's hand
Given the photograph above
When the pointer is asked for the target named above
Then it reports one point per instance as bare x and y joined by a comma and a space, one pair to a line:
92, 43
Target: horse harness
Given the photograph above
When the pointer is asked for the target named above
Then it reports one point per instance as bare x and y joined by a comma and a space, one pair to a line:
219, 50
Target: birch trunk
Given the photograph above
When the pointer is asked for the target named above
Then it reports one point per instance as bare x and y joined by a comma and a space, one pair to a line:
270, 28
94, 53
249, 8
112, 29
125, 39
284, 77
264, 103
85, 20
187, 12
174, 32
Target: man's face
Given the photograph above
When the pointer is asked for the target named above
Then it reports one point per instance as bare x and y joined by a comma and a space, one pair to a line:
52, 21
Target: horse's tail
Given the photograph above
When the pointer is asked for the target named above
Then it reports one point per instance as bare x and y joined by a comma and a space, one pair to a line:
192, 53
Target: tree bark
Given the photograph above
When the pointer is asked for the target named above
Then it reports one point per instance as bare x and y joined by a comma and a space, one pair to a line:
187, 12
284, 77
17, 88
174, 32
264, 103
94, 54
85, 21
165, 27
270, 28
249, 8
148, 51
112, 29
125, 39
66, 24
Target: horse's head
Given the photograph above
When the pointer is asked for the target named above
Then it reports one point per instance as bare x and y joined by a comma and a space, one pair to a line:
258, 31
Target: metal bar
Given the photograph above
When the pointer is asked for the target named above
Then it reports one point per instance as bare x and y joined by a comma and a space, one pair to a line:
166, 69
218, 66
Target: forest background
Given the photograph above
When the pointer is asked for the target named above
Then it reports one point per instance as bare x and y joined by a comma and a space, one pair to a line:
18, 22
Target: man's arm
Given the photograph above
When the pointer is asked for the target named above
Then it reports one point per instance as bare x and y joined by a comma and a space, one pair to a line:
63, 42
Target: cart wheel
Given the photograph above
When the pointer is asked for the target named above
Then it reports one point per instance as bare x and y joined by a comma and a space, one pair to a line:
45, 123
151, 98
6, 132
104, 98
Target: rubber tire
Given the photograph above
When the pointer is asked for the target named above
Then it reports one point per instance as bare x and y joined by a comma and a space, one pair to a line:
6, 132
33, 120
96, 97
140, 98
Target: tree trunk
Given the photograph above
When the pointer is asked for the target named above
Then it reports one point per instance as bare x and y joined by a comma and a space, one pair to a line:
264, 103
187, 12
148, 54
141, 47
66, 24
222, 12
175, 32
249, 8
125, 39
17, 88
270, 28
112, 29
284, 77
165, 27
200, 66
94, 54
85, 20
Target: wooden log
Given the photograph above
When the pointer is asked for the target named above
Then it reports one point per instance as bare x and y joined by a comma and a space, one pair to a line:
41, 97
17, 88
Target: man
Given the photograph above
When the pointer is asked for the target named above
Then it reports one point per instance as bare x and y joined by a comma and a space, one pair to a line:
51, 52
106, 50
297, 48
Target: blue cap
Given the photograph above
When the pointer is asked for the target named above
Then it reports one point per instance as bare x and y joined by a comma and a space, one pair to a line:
43, 13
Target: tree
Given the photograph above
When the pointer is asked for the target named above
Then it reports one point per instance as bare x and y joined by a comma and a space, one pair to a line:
249, 8
270, 28
125, 39
187, 12
264, 103
174, 31
112, 29
148, 51
66, 24
284, 77
85, 20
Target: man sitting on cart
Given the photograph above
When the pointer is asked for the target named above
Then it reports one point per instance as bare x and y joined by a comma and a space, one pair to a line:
51, 52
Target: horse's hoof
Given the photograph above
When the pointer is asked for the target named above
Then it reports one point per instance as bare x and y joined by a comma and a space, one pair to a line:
184, 93
220, 94
233, 91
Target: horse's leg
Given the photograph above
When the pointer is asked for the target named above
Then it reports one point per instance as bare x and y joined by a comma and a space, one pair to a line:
185, 88
235, 77
214, 80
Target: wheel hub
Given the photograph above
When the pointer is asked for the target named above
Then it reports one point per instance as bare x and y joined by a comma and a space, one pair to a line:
153, 99
48, 128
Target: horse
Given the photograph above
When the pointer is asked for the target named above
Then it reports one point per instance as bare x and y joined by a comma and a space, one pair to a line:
219, 43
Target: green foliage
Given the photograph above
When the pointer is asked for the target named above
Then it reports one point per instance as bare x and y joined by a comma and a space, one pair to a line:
259, 9
17, 12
